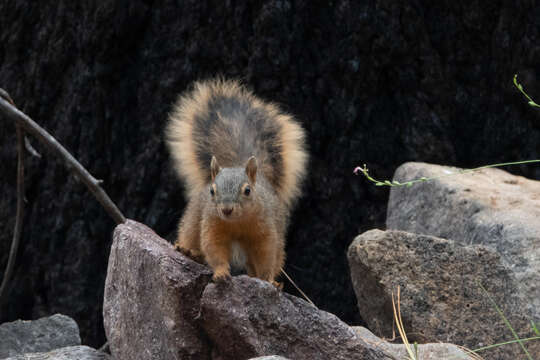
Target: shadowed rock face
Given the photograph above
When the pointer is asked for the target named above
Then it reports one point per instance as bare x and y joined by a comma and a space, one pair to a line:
372, 81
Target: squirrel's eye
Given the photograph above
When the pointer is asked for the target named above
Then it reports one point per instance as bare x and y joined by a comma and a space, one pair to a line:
212, 191
247, 190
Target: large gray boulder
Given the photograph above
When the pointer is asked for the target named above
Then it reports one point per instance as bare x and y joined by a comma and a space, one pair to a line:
160, 305
490, 207
152, 295
441, 298
248, 317
66, 353
42, 335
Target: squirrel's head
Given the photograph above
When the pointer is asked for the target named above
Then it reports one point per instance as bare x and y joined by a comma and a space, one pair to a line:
233, 189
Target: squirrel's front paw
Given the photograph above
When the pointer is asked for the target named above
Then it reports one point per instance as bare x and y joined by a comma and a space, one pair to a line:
277, 284
221, 275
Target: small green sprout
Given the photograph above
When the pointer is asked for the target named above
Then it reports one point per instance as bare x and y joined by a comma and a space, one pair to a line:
364, 170
520, 88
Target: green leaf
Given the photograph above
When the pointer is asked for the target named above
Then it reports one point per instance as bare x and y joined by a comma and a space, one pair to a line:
388, 183
423, 178
378, 183
532, 103
396, 182
409, 183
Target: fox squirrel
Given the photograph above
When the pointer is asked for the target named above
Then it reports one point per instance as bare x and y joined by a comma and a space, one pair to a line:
242, 160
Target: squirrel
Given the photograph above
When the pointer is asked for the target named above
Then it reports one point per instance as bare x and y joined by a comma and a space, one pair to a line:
242, 160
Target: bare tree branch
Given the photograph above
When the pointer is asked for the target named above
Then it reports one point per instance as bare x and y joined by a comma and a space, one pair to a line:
73, 165
20, 204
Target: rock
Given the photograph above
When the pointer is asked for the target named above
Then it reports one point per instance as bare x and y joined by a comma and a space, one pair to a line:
152, 295
432, 351
271, 357
490, 207
440, 295
247, 317
45, 334
66, 353
160, 305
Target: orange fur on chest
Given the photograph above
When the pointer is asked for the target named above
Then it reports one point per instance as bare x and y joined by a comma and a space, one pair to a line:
247, 232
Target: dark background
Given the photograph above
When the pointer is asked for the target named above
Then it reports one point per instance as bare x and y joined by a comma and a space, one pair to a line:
380, 82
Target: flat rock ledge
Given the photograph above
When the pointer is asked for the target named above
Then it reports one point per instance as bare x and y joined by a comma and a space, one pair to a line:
160, 305
490, 207
441, 297
431, 351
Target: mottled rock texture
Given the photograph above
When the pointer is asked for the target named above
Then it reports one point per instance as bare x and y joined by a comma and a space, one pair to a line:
152, 298
65, 353
159, 305
381, 82
441, 297
490, 207
42, 335
248, 317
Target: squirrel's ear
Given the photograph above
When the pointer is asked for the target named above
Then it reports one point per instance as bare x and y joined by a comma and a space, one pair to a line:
214, 168
251, 169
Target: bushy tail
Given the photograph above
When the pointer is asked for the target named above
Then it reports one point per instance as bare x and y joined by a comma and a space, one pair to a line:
222, 118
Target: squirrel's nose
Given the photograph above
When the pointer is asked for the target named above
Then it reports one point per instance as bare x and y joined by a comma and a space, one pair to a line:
227, 211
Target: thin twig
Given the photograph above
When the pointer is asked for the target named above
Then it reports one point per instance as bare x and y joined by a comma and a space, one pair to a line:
91, 183
20, 206
297, 288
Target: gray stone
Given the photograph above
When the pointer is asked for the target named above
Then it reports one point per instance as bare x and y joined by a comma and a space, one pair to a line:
431, 351
66, 353
247, 317
45, 334
271, 357
489, 207
152, 295
440, 295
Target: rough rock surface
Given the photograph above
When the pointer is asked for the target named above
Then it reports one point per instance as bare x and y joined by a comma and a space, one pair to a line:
152, 296
431, 351
159, 305
45, 334
490, 207
381, 82
247, 317
441, 299
66, 353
